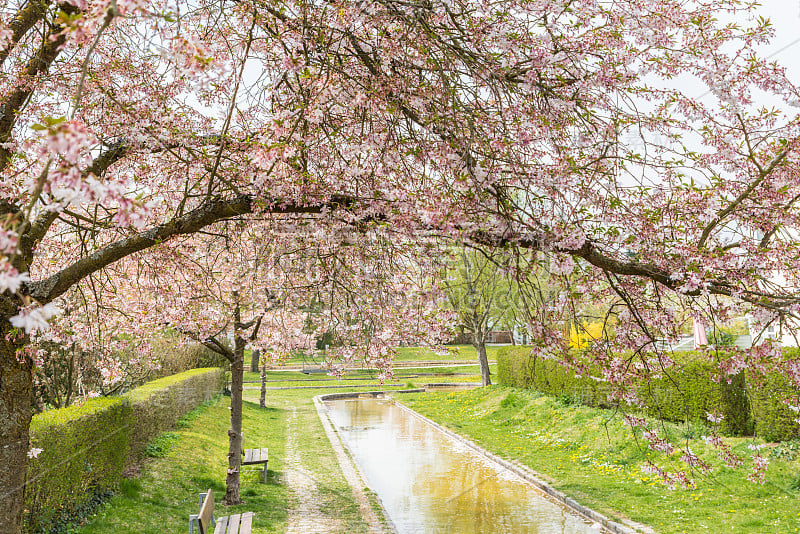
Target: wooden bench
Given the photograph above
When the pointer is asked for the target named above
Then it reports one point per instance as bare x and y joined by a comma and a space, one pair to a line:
255, 457
233, 524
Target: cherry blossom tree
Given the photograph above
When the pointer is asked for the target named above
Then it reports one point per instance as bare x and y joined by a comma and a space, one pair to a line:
572, 130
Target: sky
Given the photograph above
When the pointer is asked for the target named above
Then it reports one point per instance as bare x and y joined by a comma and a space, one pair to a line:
785, 47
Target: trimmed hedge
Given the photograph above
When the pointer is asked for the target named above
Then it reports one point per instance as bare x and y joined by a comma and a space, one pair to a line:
690, 393
159, 404
774, 420
687, 395
516, 366
85, 449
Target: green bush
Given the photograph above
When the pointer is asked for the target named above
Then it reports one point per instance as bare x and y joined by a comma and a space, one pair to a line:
86, 448
720, 338
83, 448
177, 357
159, 404
521, 367
774, 420
686, 394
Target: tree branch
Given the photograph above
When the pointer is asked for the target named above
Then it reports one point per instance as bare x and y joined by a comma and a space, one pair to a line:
762, 175
210, 212
38, 64
31, 13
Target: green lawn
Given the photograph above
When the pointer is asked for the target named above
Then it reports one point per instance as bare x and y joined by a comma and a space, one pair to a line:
161, 498
585, 452
415, 375
588, 454
466, 353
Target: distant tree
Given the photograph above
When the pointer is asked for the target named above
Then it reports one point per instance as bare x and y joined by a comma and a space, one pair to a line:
480, 295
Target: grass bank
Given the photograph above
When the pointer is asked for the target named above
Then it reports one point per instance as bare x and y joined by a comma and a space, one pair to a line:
193, 458
588, 454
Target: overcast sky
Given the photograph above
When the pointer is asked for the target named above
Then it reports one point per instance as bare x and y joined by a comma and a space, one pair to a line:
785, 17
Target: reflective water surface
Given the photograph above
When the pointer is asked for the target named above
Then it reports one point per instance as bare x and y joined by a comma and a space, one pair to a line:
430, 483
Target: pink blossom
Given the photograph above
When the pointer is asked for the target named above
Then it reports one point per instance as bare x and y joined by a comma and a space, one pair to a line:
11, 279
33, 319
8, 241
758, 474
716, 419
5, 36
562, 264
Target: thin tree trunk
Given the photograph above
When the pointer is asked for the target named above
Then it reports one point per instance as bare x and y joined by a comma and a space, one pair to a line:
16, 388
70, 377
263, 400
235, 432
254, 361
486, 379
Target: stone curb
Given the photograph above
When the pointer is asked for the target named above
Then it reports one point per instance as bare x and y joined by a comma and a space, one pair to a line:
531, 477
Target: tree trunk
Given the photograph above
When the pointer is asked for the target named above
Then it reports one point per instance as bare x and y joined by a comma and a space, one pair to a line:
70, 378
254, 361
16, 388
235, 432
486, 379
263, 400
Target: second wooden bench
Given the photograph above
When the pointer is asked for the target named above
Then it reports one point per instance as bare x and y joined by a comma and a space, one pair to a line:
255, 457
233, 524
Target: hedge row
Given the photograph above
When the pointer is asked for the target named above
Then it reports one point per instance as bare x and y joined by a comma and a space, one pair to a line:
86, 448
687, 394
774, 420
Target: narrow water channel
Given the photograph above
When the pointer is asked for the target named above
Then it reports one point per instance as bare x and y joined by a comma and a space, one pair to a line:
430, 483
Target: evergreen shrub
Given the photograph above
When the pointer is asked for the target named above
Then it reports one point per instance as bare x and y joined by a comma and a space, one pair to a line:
686, 394
86, 448
775, 421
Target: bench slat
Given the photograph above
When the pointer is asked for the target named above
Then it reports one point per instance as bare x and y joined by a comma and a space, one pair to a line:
233, 524
222, 525
206, 512
247, 523
255, 456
